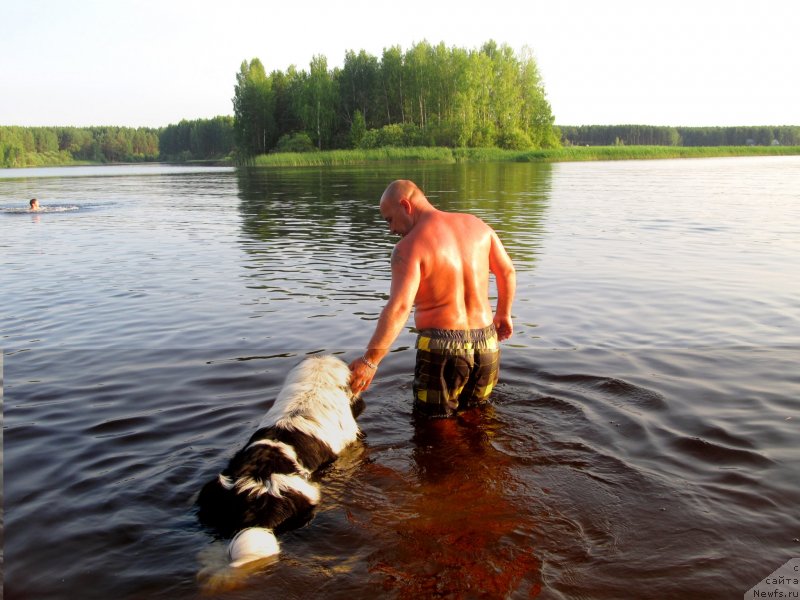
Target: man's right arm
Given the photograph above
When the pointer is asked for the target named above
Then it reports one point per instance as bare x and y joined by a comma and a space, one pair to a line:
405, 283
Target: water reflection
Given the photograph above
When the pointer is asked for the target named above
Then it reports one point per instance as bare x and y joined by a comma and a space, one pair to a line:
319, 206
464, 533
317, 252
313, 237
332, 213
132, 349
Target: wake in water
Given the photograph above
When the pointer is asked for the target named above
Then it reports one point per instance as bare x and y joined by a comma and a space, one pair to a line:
14, 210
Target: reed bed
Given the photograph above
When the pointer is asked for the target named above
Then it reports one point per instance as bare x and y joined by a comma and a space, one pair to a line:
564, 154
353, 157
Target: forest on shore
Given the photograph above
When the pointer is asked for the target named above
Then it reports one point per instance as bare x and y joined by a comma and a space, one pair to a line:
41, 146
200, 139
426, 97
214, 140
650, 135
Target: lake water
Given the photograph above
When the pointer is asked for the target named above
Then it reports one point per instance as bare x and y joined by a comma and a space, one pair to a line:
642, 442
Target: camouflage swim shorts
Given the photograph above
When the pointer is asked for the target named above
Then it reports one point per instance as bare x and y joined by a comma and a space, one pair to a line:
455, 369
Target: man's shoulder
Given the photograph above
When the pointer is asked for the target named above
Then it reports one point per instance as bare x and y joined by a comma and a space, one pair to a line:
472, 225
460, 219
405, 247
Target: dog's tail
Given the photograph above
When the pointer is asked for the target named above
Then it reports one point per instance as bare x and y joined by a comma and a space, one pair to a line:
253, 543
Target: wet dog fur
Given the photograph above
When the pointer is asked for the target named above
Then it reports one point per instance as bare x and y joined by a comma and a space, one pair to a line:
266, 487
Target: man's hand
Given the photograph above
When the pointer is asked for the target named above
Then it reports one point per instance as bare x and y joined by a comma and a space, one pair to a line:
504, 327
361, 375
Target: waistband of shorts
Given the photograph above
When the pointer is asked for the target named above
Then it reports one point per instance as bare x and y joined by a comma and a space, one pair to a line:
459, 335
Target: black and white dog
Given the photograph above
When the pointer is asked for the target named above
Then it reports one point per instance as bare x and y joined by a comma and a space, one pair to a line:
266, 486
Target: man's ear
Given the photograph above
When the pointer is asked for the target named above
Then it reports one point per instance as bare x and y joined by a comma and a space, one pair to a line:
406, 204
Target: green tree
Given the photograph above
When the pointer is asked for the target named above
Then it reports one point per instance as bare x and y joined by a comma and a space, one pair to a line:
417, 74
359, 87
318, 102
45, 139
480, 96
537, 119
295, 142
358, 129
391, 82
287, 88
253, 109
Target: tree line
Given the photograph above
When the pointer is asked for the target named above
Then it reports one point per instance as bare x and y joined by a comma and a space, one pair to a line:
31, 146
199, 139
650, 135
426, 96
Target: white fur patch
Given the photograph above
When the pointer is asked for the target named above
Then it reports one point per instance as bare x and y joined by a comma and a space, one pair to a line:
315, 400
277, 485
252, 544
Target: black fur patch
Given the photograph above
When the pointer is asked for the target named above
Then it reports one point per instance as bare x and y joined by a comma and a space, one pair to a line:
311, 452
229, 511
357, 406
259, 462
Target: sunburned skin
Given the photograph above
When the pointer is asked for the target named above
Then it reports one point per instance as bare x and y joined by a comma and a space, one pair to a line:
451, 253
441, 268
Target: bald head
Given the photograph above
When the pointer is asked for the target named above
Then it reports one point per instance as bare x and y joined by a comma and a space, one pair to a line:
398, 189
405, 189
402, 204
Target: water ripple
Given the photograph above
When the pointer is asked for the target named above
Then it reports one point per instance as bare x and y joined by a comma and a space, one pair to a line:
644, 428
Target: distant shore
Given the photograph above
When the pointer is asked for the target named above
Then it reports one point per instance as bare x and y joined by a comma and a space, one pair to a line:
564, 154
456, 155
44, 163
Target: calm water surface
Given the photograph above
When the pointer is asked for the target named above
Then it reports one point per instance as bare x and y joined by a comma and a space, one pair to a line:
642, 442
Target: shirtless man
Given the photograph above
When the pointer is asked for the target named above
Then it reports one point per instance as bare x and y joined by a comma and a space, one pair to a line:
34, 204
441, 266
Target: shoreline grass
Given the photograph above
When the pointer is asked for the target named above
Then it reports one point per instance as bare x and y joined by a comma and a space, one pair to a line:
353, 157
564, 154
42, 163
328, 158
33, 160
592, 153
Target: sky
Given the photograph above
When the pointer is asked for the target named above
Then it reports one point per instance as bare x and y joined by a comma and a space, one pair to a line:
155, 62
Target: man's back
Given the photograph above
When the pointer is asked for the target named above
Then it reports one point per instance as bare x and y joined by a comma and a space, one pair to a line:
453, 251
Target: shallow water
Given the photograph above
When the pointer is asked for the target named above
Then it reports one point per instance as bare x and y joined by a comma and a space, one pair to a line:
642, 441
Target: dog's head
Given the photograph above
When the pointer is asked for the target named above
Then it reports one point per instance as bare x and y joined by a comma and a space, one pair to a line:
329, 372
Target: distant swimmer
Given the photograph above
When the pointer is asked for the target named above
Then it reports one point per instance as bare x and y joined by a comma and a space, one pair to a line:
35, 205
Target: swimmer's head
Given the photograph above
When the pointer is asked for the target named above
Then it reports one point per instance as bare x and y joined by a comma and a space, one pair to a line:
35, 204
